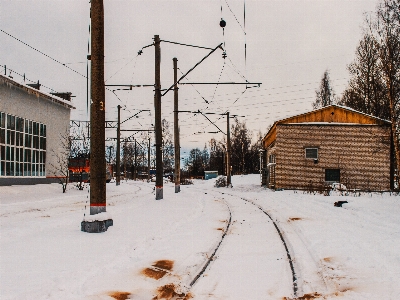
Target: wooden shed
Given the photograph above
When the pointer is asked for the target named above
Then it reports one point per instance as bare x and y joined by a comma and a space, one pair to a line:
327, 145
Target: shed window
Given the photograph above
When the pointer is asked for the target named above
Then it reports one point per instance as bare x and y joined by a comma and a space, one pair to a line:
332, 175
312, 153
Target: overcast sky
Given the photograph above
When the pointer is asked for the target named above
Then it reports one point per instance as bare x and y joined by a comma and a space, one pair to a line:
289, 46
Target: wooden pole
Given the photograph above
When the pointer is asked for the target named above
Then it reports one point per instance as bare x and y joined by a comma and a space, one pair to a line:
97, 128
135, 169
97, 112
176, 131
148, 161
118, 169
158, 126
228, 152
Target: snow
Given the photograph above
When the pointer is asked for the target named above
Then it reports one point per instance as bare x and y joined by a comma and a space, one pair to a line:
11, 82
348, 252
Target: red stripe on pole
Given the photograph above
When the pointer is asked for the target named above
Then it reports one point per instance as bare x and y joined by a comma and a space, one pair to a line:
159, 187
97, 204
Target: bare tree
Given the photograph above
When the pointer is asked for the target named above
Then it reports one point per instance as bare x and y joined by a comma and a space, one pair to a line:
240, 146
386, 31
168, 147
79, 153
217, 155
61, 158
194, 163
366, 90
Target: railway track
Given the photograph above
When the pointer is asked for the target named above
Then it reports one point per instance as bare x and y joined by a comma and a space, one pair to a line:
294, 277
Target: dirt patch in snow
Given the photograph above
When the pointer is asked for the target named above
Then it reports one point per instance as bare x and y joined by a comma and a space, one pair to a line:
168, 292
164, 264
120, 295
295, 219
306, 297
310, 296
155, 274
158, 269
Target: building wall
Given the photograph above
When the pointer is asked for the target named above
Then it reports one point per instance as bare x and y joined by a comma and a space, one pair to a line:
361, 152
34, 106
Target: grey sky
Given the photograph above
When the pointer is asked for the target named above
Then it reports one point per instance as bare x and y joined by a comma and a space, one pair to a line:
289, 46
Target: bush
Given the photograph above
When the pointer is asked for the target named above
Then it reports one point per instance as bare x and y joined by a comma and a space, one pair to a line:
186, 181
221, 181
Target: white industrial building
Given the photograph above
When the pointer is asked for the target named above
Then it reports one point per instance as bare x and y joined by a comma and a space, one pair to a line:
33, 128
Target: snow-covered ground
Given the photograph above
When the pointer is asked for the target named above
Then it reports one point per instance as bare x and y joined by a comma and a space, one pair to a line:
159, 249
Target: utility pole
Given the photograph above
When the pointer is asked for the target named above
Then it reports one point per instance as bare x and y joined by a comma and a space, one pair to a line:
228, 152
118, 171
148, 161
97, 113
176, 131
97, 128
142, 159
135, 169
125, 150
158, 127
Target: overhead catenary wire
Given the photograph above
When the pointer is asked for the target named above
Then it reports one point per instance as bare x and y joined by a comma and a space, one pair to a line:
122, 68
234, 16
219, 78
205, 100
48, 56
275, 88
198, 63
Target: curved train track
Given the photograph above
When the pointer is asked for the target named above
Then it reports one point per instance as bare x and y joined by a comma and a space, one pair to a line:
278, 230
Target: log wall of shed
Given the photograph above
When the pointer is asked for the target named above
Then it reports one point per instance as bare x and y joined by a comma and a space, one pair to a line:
361, 152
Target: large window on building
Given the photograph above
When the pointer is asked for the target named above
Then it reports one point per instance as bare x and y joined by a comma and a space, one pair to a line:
332, 175
22, 146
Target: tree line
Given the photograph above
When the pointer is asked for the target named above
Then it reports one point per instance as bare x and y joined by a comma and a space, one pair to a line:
244, 154
374, 84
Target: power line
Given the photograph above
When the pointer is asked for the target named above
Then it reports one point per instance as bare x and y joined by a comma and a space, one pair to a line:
235, 16
25, 78
48, 56
122, 68
275, 88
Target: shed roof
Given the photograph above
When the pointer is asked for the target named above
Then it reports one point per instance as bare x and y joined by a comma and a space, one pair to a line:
31, 90
336, 114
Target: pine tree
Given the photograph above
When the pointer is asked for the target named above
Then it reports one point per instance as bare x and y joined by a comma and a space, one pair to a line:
324, 95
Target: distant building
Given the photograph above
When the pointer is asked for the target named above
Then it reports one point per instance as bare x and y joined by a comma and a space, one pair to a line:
32, 126
210, 174
331, 144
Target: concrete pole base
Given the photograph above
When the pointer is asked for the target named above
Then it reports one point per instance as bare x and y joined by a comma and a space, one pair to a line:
96, 226
94, 210
177, 188
159, 193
